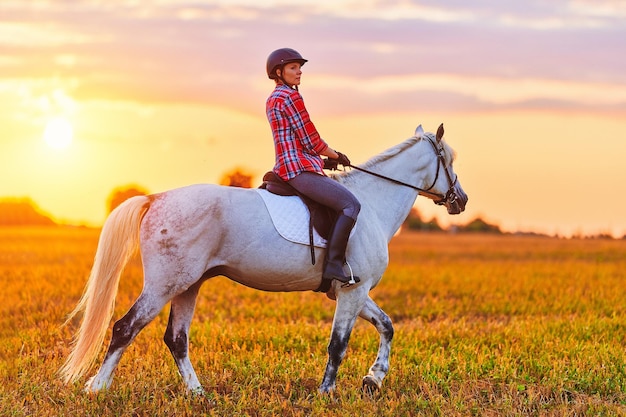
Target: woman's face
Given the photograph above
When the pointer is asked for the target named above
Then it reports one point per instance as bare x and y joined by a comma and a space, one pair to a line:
291, 73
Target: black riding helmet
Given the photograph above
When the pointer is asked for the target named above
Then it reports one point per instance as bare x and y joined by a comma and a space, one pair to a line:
280, 57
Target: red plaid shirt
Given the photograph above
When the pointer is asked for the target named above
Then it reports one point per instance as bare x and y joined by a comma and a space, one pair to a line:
296, 141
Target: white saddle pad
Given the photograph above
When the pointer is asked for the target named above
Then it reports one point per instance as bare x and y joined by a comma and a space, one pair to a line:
291, 218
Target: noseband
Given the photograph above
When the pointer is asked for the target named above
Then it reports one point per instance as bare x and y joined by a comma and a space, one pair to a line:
450, 196
439, 199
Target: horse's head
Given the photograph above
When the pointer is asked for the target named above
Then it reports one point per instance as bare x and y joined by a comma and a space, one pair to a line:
445, 189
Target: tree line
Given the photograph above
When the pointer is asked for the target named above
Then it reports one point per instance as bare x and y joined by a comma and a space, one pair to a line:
415, 222
24, 212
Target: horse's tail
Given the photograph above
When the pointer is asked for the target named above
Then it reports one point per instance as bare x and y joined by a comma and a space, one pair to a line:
118, 242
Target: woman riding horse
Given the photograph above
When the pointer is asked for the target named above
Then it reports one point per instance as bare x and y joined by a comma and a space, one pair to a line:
299, 149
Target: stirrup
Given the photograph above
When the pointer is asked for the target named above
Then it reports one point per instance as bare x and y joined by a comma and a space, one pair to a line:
327, 282
353, 280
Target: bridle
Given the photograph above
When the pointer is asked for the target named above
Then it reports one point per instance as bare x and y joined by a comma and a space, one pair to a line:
450, 197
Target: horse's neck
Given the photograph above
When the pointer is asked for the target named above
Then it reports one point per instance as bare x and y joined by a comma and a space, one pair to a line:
390, 202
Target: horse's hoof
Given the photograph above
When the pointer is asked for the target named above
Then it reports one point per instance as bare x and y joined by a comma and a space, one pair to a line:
197, 392
326, 389
93, 386
203, 397
371, 387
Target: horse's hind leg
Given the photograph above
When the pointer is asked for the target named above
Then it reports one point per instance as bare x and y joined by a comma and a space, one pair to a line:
177, 336
125, 330
375, 315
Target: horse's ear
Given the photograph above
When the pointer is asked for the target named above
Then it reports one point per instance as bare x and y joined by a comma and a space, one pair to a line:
440, 132
419, 132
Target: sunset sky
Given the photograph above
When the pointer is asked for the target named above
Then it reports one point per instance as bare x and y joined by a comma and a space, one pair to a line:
167, 93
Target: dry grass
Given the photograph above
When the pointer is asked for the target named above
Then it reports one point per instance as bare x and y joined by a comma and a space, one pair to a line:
485, 325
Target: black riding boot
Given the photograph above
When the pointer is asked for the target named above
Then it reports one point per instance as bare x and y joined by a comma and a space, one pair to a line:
336, 250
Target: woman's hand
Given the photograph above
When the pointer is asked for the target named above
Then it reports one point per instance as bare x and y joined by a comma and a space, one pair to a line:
330, 164
343, 159
337, 157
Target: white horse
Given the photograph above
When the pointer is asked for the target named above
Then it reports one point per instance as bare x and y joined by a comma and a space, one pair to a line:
191, 234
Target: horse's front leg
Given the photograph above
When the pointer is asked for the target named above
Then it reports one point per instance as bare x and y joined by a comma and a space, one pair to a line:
349, 303
377, 372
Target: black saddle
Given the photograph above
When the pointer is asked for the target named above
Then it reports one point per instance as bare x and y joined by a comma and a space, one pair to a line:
322, 217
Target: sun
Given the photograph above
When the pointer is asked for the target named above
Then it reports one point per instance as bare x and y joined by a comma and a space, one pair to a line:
58, 133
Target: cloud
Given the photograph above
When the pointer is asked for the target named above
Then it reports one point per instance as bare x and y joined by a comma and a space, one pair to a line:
27, 34
488, 53
607, 9
486, 89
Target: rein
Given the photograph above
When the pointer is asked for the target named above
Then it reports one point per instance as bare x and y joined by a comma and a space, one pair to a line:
418, 189
437, 198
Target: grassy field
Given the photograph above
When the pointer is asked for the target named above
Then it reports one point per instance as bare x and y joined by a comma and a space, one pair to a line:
485, 325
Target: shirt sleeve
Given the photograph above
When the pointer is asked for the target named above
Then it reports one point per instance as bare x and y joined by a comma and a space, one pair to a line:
304, 128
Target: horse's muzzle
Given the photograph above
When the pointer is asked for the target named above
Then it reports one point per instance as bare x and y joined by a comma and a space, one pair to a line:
455, 200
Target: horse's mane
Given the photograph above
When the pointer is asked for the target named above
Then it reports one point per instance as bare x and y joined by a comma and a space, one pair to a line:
449, 154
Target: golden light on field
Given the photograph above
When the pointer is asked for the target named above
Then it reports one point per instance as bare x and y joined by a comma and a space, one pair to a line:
501, 325
58, 133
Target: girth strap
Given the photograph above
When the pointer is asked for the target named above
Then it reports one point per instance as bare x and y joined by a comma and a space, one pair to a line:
324, 285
